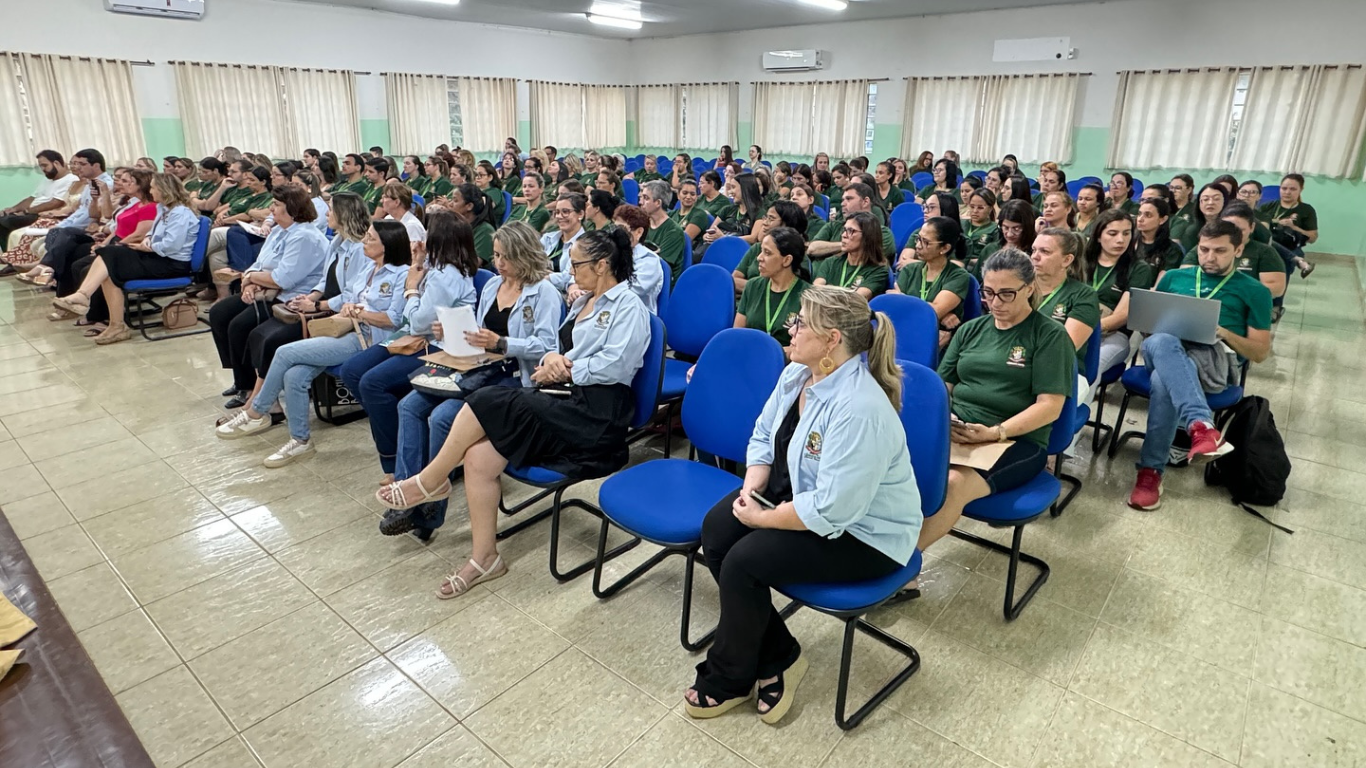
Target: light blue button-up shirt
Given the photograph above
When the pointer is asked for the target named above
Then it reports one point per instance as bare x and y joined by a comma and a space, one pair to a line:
443, 287
294, 257
174, 232
848, 461
349, 255
379, 289
610, 343
560, 275
532, 324
648, 278
320, 205
81, 216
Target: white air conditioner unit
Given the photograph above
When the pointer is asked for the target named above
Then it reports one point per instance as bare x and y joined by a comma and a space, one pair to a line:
793, 61
170, 9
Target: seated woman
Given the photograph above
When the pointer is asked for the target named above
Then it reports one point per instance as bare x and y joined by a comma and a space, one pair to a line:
886, 194
692, 217
1250, 192
441, 275
650, 171
847, 506
438, 179
414, 175
771, 299
397, 203
945, 179
748, 211
805, 198
1209, 203
510, 174
291, 262
1063, 296
934, 276
1016, 187
1091, 202
1155, 244
130, 219
783, 213
860, 266
486, 179
475, 208
712, 200
569, 211
935, 205
1056, 211
1294, 224
532, 208
373, 303
164, 253
980, 230
1015, 223
648, 279
1122, 193
582, 434
1009, 373
1111, 267
599, 209
253, 204
519, 311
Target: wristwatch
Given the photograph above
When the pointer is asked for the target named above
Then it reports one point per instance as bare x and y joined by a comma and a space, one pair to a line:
501, 346
1001, 433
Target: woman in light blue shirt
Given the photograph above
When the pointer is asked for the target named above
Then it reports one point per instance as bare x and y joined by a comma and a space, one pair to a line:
442, 275
574, 422
829, 451
373, 303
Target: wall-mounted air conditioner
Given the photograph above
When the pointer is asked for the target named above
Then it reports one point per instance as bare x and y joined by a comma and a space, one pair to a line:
170, 9
793, 61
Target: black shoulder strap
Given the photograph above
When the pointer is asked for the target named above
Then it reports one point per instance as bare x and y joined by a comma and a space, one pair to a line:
1252, 511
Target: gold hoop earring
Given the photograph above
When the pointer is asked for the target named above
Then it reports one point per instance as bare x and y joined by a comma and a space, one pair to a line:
826, 365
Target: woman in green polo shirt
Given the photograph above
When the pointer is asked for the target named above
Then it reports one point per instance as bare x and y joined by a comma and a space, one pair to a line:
1111, 267
770, 301
532, 208
945, 179
923, 164
1057, 210
472, 205
1155, 244
886, 194
1122, 192
709, 196
681, 172
253, 203
980, 231
1063, 296
1017, 188
860, 266
1209, 203
415, 175
486, 179
934, 276
1250, 192
692, 217
783, 213
938, 204
438, 174
648, 173
1294, 224
805, 199
509, 174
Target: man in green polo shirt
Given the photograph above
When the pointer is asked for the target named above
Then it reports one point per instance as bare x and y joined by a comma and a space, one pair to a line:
1257, 260
376, 174
665, 234
1177, 395
857, 198
353, 176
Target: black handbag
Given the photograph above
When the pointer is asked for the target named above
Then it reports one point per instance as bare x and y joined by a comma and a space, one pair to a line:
443, 381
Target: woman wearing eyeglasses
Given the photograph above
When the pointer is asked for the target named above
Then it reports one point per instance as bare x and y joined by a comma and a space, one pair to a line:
861, 266
1009, 373
1111, 266
934, 277
567, 213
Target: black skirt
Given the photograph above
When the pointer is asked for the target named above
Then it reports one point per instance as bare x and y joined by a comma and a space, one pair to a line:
125, 264
581, 435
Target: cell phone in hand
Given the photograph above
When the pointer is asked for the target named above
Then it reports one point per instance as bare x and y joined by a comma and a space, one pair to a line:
761, 501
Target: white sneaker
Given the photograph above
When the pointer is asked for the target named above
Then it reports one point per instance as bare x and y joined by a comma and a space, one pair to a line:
242, 425
294, 449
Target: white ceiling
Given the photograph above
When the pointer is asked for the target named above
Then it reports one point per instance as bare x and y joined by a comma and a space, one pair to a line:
668, 18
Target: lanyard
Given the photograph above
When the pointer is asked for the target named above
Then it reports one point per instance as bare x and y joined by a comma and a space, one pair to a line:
1216, 288
926, 290
844, 274
770, 317
1099, 281
1047, 300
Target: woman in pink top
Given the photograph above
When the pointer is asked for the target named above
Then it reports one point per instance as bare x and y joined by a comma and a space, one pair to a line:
129, 220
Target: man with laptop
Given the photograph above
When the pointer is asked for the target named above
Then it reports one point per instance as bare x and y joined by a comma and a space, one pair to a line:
1203, 322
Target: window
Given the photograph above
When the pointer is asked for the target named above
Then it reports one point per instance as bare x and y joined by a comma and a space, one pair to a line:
1235, 121
453, 109
871, 125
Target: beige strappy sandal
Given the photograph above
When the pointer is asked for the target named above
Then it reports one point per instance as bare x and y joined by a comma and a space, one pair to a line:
459, 586
397, 499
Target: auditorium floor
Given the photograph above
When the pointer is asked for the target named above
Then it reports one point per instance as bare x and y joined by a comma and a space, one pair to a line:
250, 617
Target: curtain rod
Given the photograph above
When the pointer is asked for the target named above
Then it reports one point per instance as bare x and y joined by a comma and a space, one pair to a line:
1238, 68
1026, 74
820, 82
263, 66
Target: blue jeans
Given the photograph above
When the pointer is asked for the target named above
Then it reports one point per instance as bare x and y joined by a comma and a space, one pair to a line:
1177, 399
379, 379
292, 372
243, 247
424, 422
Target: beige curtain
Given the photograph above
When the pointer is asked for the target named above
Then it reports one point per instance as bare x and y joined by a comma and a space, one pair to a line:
839, 118
709, 121
604, 116
321, 109
1310, 119
1273, 116
657, 116
419, 117
232, 105
78, 103
1335, 123
557, 115
488, 110
1030, 116
15, 148
1172, 119
782, 117
941, 113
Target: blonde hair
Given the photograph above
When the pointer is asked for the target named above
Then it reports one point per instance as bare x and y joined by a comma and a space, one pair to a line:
171, 190
828, 308
467, 158
572, 163
523, 253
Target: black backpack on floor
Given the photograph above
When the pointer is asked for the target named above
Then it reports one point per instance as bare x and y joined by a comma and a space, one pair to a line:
1256, 471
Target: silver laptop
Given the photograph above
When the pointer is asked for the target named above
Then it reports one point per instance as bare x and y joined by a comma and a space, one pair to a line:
1185, 317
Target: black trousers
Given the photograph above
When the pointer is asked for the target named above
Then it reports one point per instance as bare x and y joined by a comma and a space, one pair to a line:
268, 337
752, 641
12, 222
232, 321
64, 249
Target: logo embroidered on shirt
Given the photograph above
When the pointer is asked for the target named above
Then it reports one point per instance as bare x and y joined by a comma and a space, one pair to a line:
1016, 358
385, 289
1059, 312
858, 282
813, 445
1245, 262
528, 315
603, 317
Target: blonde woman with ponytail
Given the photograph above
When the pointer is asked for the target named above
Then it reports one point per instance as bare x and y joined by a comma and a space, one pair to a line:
828, 496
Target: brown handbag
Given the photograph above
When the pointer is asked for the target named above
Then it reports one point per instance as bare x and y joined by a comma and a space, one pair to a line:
180, 314
332, 326
406, 345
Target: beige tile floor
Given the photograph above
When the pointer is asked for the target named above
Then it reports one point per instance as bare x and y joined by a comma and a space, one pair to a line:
246, 617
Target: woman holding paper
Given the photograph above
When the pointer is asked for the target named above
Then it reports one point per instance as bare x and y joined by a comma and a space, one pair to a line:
518, 313
441, 276
1008, 373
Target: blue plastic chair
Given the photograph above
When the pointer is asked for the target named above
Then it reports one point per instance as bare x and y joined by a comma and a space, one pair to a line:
141, 311
823, 200
481, 279
1090, 180
704, 306
1138, 382
1271, 193
687, 253
822, 212
1020, 506
1090, 370
662, 306
905, 219
972, 305
925, 418
1033, 183
507, 207
633, 165
979, 174
726, 252
1074, 187
630, 191
1137, 191
916, 324
645, 390
921, 179
664, 501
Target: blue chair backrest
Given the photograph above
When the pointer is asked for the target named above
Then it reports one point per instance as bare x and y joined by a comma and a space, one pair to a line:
823, 200
507, 207
1090, 180
979, 174
1137, 191
630, 190
925, 417
662, 305
1074, 187
1271, 193
905, 219
1092, 361
726, 252
766, 164
633, 165
1064, 430
201, 244
822, 212
687, 251
734, 377
972, 305
481, 279
921, 179
916, 324
1033, 183
704, 306
645, 386
664, 164
419, 200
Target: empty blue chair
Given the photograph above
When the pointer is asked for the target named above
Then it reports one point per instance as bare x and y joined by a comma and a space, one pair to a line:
921, 179
664, 501
481, 278
905, 219
141, 311
704, 306
822, 212
972, 305
726, 252
645, 389
630, 190
1137, 190
507, 207
916, 324
1074, 187
925, 417
419, 200
979, 174
1271, 193
1138, 382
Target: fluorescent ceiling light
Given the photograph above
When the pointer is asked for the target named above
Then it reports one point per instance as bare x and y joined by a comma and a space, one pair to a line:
830, 5
612, 21
441, 2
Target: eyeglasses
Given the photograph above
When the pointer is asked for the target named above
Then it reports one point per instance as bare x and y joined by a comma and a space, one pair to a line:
1007, 296
795, 324
852, 231
573, 265
563, 211
920, 241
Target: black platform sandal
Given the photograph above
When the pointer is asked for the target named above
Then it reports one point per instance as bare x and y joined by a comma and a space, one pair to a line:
778, 696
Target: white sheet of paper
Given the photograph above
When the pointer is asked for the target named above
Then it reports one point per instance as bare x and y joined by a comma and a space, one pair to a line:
455, 323
254, 229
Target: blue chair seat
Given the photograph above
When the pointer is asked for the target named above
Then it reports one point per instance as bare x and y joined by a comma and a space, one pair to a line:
856, 595
1139, 381
535, 475
165, 284
694, 488
1017, 505
675, 379
1112, 375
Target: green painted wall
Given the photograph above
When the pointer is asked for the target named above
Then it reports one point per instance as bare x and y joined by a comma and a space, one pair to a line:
164, 136
17, 183
524, 133
744, 137
886, 141
374, 133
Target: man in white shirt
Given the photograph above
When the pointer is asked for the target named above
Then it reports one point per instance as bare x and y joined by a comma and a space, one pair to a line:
49, 196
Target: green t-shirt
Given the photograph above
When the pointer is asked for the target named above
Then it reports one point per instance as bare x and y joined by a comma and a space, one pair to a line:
893, 199
1255, 259
192, 186
248, 202
1168, 259
911, 281
440, 187
929, 189
831, 231
1037, 200
669, 242
1262, 234
814, 225
997, 374
749, 263
982, 242
205, 191
837, 271
1243, 301
513, 185
1130, 207
536, 218
643, 176
495, 196
1182, 221
1072, 300
360, 186
233, 193
696, 216
1305, 215
419, 185
1108, 293
483, 241
770, 311
721, 208
372, 196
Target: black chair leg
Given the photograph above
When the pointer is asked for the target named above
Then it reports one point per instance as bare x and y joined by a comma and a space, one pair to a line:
1060, 503
1012, 607
846, 661
1100, 431
573, 573
690, 555
1117, 439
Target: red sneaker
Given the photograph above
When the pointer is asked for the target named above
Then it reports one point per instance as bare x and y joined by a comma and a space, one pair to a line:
1147, 493
1206, 443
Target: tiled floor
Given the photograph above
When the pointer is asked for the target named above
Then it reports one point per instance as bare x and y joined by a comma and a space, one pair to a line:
246, 617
